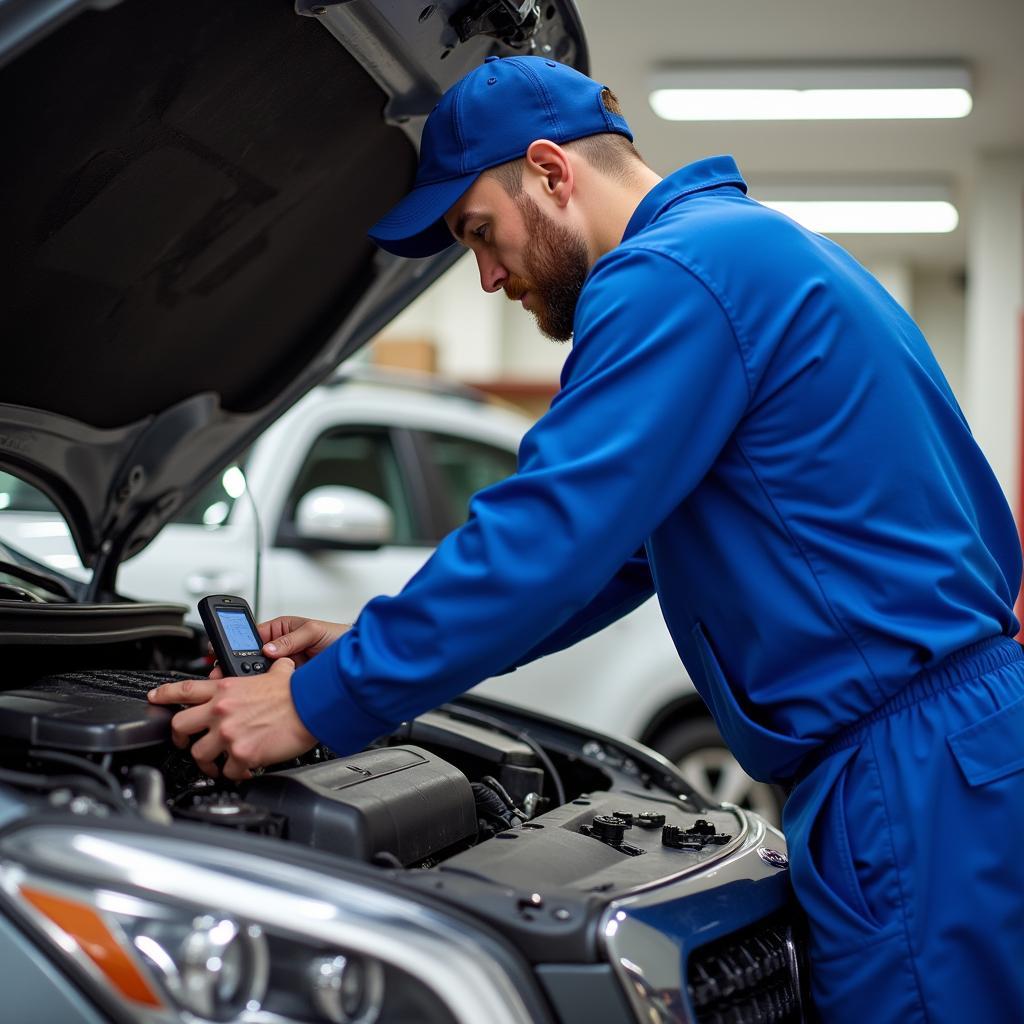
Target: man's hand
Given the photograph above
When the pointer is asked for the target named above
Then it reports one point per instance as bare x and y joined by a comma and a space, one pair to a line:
291, 636
251, 719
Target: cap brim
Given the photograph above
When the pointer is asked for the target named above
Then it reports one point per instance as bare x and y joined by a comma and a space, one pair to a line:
416, 227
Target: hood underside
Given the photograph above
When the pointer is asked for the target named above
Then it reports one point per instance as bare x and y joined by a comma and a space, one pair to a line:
186, 191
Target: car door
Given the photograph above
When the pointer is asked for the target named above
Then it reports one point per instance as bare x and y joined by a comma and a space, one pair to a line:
613, 680
324, 582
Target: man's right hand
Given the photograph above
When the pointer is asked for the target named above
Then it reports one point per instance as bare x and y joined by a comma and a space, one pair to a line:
291, 636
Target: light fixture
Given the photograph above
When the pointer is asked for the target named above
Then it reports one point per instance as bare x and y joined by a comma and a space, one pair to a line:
879, 209
789, 92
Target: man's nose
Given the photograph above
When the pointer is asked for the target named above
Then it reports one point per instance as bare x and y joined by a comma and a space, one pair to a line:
492, 274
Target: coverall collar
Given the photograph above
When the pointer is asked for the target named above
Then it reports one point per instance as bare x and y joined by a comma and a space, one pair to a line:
711, 172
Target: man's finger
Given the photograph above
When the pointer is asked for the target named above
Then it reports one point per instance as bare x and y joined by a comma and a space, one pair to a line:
236, 770
191, 691
309, 634
206, 750
282, 665
186, 724
273, 628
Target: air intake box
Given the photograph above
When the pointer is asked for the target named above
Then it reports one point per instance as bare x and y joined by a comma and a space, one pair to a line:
399, 800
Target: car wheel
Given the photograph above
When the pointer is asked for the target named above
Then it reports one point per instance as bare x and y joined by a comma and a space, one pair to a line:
700, 753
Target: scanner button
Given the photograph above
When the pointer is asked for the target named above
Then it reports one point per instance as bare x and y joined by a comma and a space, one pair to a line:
246, 667
258, 666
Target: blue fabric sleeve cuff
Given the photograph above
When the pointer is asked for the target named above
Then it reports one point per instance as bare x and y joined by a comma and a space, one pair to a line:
327, 709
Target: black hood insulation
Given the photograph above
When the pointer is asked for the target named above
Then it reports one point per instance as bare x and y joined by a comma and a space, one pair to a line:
186, 191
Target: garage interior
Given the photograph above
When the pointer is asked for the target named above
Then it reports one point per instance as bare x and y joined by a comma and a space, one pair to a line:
964, 287
182, 425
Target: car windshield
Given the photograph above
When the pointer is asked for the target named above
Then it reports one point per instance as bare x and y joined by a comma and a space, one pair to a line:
210, 507
35, 536
35, 531
19, 496
213, 504
19, 571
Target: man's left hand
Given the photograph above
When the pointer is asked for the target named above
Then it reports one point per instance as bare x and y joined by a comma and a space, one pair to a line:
250, 719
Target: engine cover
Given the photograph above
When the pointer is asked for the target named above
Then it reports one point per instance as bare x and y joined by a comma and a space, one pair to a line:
399, 800
96, 712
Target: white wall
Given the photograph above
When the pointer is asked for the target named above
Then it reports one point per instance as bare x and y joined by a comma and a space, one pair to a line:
479, 336
939, 308
995, 301
897, 277
464, 322
526, 353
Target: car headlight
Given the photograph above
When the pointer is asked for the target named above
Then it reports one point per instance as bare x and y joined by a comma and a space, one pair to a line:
172, 931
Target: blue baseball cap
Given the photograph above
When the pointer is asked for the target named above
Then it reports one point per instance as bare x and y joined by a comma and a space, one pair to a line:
488, 118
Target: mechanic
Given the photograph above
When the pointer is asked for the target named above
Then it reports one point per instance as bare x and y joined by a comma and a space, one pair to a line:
750, 427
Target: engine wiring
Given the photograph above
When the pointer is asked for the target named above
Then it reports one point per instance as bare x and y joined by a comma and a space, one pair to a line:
495, 723
82, 784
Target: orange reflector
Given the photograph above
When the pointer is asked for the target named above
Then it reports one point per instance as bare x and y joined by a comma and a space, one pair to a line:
87, 928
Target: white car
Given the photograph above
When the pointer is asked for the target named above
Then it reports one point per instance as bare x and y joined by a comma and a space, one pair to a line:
344, 498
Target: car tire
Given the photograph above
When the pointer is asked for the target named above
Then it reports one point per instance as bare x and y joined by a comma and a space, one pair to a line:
696, 747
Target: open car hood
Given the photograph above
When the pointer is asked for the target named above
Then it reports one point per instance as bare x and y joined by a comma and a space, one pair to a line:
186, 189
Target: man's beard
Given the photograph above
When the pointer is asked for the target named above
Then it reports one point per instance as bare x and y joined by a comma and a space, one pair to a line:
557, 263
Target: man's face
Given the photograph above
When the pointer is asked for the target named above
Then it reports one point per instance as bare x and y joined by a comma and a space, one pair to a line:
523, 251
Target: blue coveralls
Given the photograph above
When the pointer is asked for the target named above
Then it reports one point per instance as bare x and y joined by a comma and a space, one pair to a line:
751, 427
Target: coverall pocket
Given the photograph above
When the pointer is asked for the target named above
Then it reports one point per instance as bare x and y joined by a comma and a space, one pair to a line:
824, 862
831, 856
991, 748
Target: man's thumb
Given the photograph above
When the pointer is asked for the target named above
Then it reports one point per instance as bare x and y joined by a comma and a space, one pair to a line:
288, 643
282, 665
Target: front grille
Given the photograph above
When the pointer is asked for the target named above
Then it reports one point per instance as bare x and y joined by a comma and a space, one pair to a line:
748, 977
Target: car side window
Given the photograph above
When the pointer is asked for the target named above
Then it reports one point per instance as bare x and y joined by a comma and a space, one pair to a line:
363, 458
465, 466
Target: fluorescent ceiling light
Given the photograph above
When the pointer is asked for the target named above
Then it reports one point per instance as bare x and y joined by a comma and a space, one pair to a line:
871, 218
864, 210
788, 92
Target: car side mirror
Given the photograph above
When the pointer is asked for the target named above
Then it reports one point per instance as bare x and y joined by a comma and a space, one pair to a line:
343, 517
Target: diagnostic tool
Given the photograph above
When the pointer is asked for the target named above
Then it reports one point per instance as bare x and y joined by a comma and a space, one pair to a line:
233, 635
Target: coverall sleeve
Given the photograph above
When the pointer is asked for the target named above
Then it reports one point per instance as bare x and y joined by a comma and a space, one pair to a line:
627, 590
654, 386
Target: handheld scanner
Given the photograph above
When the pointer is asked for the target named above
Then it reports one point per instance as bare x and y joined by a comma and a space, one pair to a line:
233, 635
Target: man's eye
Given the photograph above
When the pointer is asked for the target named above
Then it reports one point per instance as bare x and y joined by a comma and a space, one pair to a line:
481, 232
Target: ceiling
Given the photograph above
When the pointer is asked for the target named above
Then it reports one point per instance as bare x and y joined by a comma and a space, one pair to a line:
629, 37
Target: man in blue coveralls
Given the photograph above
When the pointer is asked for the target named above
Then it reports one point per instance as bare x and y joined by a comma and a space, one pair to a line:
751, 428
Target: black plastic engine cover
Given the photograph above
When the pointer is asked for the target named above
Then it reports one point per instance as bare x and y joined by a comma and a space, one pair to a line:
400, 800
87, 712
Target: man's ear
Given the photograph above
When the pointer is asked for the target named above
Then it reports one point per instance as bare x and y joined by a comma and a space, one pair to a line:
553, 169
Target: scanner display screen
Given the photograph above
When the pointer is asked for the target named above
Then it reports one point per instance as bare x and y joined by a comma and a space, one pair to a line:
238, 631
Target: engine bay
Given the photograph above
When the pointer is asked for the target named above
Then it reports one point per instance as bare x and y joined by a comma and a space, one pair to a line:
401, 803
527, 821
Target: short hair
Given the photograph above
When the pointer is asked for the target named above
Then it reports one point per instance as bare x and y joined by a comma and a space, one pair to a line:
608, 152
